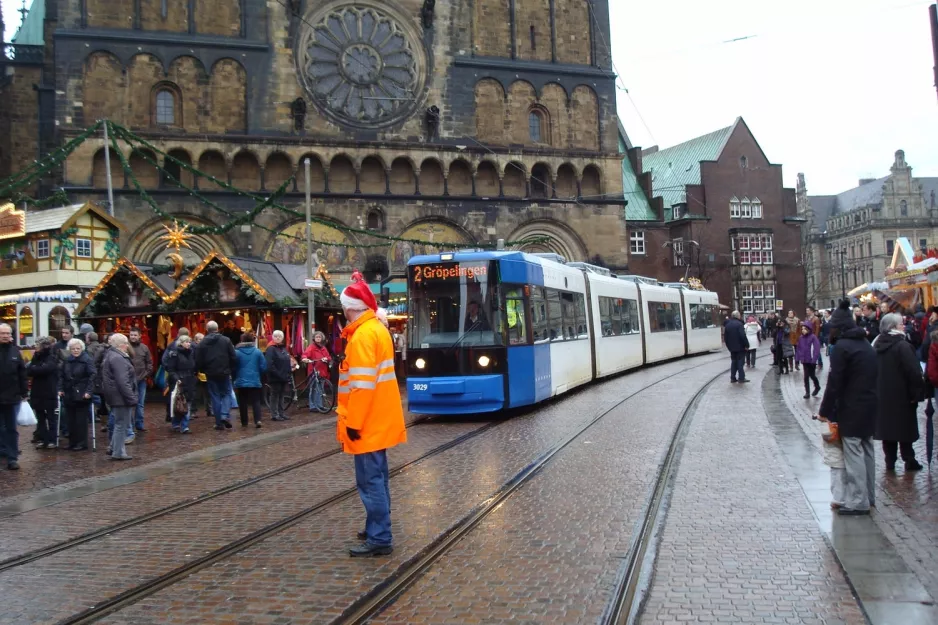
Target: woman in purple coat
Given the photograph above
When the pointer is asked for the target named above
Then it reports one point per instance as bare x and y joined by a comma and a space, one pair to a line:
807, 352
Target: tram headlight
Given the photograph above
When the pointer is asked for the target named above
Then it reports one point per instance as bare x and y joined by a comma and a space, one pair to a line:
420, 363
484, 361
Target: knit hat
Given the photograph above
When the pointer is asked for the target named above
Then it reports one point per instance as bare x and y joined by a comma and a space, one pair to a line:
842, 319
358, 295
85, 328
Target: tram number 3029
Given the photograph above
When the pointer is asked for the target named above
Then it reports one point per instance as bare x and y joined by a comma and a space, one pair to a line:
420, 387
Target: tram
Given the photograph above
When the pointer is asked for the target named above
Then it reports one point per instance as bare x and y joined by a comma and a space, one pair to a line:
492, 330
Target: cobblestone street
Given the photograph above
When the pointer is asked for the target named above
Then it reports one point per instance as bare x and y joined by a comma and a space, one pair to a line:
252, 526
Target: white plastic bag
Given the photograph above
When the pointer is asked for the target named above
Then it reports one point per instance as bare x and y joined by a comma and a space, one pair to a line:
25, 416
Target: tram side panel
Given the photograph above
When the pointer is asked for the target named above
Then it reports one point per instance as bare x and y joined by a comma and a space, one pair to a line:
664, 323
703, 323
617, 325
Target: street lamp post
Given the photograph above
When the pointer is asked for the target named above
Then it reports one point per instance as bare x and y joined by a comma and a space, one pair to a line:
843, 274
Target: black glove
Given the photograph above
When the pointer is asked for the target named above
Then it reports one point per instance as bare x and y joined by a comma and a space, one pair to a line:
353, 435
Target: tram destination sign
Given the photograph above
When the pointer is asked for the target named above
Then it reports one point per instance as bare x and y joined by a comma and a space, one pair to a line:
446, 272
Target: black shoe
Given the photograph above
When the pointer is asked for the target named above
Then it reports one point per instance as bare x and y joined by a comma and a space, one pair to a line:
144, 429
816, 391
227, 424
169, 419
258, 425
852, 512
244, 424
110, 452
806, 396
732, 381
284, 418
79, 448
13, 465
366, 550
913, 465
362, 535
219, 427
744, 381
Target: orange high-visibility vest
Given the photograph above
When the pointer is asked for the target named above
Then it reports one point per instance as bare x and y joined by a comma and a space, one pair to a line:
369, 398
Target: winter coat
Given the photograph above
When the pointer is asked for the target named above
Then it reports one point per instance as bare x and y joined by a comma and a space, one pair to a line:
369, 398
900, 387
215, 357
871, 325
249, 366
752, 333
794, 329
96, 351
850, 399
180, 366
118, 379
142, 361
279, 368
76, 378
13, 386
808, 349
825, 334
924, 350
316, 353
44, 370
735, 336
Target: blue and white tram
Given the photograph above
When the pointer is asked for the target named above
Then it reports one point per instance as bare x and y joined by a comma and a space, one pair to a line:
496, 330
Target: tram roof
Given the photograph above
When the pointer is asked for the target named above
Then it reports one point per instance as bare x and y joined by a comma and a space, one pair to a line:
473, 256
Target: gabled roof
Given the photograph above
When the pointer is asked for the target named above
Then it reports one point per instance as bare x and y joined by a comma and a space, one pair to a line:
132, 268
30, 31
230, 264
64, 217
865, 195
637, 208
269, 276
672, 169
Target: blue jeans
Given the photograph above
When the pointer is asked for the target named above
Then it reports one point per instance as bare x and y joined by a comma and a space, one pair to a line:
371, 478
737, 362
315, 394
9, 436
141, 398
220, 392
181, 422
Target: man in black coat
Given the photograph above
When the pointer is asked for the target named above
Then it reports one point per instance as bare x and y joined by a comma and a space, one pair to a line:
279, 370
43, 398
13, 391
901, 387
850, 400
870, 322
737, 343
215, 357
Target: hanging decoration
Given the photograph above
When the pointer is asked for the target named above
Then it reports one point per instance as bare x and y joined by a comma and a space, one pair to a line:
112, 248
64, 246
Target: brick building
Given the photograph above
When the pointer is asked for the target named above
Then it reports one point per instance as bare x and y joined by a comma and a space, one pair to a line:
717, 211
457, 122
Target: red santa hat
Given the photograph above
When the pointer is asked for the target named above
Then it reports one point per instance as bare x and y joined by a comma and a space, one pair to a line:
358, 295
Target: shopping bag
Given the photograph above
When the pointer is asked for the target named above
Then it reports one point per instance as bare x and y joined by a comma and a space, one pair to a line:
25, 416
159, 379
234, 399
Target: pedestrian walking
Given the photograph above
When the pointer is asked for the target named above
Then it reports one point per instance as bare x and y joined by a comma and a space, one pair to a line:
168, 392
794, 333
44, 371
119, 384
142, 360
816, 322
807, 352
76, 386
850, 401
317, 357
371, 419
180, 368
901, 387
784, 352
201, 396
737, 344
753, 335
13, 391
215, 357
250, 365
279, 370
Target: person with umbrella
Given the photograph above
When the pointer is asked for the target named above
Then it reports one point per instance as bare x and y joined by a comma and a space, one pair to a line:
900, 387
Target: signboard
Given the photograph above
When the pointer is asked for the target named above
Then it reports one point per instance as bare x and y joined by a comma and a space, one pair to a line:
12, 222
779, 304
453, 272
310, 283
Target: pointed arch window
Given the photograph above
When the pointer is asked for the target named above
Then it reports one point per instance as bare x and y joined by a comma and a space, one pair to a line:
756, 208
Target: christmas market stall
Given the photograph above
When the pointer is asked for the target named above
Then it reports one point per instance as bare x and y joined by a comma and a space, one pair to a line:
911, 278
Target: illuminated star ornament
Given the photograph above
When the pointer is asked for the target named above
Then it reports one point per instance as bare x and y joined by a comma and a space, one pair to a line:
176, 237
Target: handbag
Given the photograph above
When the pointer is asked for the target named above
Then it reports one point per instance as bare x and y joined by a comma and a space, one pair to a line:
180, 405
25, 416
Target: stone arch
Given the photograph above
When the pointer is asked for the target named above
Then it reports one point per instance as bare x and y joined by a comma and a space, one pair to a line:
277, 170
491, 21
228, 87
212, 163
514, 181
572, 24
176, 171
490, 111
403, 180
317, 174
563, 240
103, 86
99, 172
191, 78
147, 247
566, 181
459, 178
341, 175
373, 176
110, 14
144, 71
521, 97
146, 174
222, 17
432, 229
246, 171
541, 182
591, 186
487, 184
176, 20
431, 177
584, 116
555, 101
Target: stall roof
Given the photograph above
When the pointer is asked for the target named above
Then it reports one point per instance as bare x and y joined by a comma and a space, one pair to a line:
63, 217
269, 276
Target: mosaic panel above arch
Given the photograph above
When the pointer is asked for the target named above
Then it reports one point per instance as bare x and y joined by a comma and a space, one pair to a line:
290, 248
437, 232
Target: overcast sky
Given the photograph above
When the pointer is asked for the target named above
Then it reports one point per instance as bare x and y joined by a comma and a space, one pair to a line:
831, 88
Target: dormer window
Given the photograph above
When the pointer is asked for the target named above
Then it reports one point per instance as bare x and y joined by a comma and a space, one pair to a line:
734, 208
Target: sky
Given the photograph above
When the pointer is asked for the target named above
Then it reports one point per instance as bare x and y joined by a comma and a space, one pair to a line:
830, 88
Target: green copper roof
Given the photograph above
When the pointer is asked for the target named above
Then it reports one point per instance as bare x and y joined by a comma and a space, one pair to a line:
675, 167
30, 31
638, 208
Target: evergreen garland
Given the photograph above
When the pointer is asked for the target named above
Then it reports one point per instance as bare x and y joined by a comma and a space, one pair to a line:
64, 246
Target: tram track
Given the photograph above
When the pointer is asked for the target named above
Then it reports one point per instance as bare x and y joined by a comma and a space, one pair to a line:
386, 593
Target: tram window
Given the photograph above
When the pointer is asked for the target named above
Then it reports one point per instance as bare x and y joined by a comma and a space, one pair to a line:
630, 321
554, 315
515, 316
619, 316
582, 329
703, 316
664, 316
605, 316
568, 302
539, 323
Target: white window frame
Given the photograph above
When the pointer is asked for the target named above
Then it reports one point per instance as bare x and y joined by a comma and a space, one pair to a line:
78, 248
759, 306
637, 242
769, 290
757, 291
769, 305
744, 257
39, 248
747, 291
755, 242
745, 209
766, 241
747, 305
734, 208
767, 257
677, 246
743, 242
756, 208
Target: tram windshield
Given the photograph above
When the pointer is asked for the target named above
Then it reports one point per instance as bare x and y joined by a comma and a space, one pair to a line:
454, 304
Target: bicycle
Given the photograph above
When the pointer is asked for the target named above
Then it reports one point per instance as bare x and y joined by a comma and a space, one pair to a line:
327, 400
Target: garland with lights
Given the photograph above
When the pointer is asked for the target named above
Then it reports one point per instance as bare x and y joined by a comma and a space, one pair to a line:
64, 246
112, 248
12, 184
